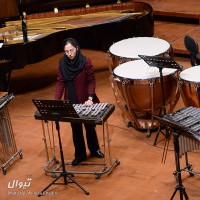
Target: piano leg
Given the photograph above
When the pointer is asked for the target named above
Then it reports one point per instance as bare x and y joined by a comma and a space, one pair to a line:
5, 73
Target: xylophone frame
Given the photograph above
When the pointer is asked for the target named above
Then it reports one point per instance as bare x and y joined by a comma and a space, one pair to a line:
106, 164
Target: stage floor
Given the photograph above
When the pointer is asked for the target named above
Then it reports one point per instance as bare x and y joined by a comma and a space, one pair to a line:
174, 19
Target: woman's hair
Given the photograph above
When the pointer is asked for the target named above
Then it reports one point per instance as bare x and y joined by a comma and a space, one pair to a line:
71, 41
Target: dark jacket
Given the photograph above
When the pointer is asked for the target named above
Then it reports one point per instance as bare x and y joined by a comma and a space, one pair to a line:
84, 84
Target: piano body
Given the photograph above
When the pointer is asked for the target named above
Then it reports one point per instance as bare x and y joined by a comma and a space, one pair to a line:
96, 27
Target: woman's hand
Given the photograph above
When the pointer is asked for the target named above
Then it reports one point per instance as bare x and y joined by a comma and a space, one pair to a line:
89, 102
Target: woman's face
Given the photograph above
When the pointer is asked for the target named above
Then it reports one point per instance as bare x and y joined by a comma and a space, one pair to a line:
70, 51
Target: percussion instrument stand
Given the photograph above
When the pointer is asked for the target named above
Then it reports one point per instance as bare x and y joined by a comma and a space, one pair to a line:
176, 134
51, 111
166, 134
7, 137
160, 63
99, 119
179, 187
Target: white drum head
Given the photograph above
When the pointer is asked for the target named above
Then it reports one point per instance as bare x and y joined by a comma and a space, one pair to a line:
132, 47
191, 74
139, 69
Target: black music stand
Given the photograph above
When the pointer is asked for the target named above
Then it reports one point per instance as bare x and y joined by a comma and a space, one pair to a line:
53, 110
162, 62
176, 135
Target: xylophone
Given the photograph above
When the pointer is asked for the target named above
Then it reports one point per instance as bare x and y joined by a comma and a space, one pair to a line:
185, 125
64, 111
98, 113
8, 147
185, 120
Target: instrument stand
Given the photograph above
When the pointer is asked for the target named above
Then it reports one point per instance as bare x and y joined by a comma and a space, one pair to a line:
179, 187
176, 134
9, 147
106, 164
53, 110
167, 133
160, 63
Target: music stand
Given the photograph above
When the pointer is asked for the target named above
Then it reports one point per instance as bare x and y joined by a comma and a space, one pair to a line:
161, 62
176, 129
53, 110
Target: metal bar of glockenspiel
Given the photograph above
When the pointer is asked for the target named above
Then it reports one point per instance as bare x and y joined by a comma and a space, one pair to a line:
10, 130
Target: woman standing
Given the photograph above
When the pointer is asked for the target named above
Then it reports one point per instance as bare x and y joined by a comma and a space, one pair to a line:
76, 80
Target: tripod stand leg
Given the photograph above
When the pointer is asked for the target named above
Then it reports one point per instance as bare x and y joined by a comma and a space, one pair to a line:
174, 194
65, 175
86, 192
163, 102
185, 194
182, 193
177, 161
159, 130
42, 192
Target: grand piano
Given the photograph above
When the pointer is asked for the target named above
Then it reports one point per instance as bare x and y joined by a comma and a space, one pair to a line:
96, 26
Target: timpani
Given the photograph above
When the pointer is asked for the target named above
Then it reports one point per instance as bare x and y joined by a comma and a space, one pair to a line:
130, 49
140, 86
189, 85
